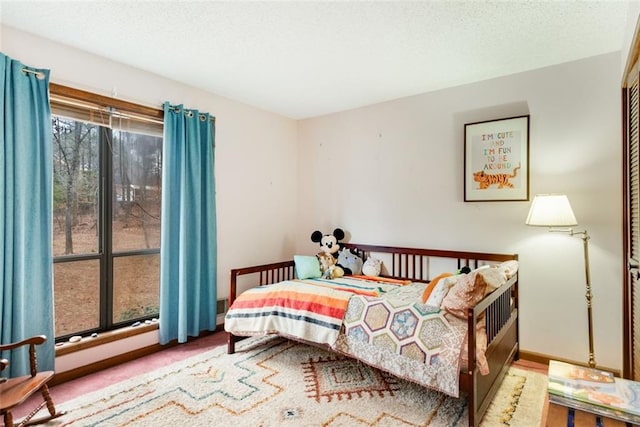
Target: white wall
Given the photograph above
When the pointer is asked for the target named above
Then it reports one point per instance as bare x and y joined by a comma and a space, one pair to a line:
392, 174
255, 154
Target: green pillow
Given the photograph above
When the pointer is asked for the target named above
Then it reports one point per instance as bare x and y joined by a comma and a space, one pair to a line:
307, 267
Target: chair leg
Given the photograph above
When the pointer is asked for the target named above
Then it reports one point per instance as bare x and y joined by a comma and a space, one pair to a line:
48, 401
47, 398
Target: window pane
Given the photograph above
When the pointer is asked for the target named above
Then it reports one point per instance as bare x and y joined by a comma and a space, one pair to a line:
136, 286
107, 185
77, 296
137, 175
76, 166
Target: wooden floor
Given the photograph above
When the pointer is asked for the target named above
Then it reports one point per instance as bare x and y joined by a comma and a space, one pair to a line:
531, 366
557, 417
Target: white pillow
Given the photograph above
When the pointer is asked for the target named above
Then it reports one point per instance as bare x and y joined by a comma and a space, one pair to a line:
493, 277
441, 290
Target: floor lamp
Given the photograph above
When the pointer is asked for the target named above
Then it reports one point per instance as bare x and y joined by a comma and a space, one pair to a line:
554, 211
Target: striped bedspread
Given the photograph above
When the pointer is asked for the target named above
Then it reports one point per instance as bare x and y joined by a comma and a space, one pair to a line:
311, 309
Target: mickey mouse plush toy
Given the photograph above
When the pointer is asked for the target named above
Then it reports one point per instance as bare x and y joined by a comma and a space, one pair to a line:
328, 242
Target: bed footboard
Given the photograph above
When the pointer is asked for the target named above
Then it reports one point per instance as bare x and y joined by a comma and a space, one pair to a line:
259, 275
500, 310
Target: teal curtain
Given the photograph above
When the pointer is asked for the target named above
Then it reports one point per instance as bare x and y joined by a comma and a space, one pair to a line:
26, 202
188, 249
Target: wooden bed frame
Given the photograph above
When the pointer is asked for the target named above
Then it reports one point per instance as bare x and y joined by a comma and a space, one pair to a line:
500, 308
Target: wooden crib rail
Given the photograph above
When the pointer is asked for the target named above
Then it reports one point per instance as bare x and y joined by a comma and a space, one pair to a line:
414, 263
500, 311
259, 275
266, 274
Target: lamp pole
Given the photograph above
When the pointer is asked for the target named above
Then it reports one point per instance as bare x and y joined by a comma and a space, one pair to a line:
588, 295
554, 211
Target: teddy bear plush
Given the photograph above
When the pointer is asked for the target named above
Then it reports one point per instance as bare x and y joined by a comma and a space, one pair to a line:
328, 266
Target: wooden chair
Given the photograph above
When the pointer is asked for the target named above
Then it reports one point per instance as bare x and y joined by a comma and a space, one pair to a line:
14, 391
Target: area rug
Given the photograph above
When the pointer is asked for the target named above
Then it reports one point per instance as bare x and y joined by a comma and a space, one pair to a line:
275, 382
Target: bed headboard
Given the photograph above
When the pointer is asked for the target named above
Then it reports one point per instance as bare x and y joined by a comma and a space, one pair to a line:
418, 265
421, 265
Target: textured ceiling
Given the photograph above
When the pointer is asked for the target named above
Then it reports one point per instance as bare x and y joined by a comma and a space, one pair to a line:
304, 59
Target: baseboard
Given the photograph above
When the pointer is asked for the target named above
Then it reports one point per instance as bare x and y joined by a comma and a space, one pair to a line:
545, 358
81, 371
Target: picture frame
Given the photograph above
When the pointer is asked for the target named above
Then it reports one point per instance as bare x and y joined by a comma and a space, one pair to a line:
496, 160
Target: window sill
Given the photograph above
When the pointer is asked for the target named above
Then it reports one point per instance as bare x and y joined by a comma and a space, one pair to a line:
103, 338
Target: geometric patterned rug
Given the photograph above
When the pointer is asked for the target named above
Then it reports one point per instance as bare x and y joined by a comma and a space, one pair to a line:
271, 381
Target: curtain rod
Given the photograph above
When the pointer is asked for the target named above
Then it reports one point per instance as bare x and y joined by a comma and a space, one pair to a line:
190, 113
39, 74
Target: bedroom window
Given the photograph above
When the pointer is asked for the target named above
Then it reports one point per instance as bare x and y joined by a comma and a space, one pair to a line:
107, 195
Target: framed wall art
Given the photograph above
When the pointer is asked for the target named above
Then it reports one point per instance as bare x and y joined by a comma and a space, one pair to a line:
496, 160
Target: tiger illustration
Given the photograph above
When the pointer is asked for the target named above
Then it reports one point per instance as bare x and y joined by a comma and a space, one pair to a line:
501, 179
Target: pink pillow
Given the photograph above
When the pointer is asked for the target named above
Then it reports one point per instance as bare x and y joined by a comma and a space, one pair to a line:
466, 293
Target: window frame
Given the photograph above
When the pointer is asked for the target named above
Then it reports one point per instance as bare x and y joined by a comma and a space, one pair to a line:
105, 254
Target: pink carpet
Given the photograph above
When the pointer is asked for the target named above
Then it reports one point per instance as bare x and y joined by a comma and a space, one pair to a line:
80, 386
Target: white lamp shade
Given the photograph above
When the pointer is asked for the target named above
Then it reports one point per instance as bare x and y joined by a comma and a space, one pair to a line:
551, 210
